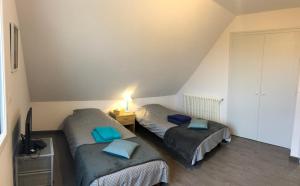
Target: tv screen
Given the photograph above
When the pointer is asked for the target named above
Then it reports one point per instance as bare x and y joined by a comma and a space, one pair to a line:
28, 125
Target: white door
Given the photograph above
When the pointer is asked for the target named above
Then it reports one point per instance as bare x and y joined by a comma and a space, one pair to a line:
244, 84
278, 89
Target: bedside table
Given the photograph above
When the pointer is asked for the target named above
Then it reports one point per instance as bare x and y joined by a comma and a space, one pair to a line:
36, 169
125, 118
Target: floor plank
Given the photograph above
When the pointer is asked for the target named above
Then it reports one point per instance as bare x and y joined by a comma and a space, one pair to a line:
242, 162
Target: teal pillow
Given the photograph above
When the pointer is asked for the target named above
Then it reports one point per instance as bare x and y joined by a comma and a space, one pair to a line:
121, 148
198, 124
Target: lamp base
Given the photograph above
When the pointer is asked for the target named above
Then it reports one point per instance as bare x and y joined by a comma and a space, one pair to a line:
127, 107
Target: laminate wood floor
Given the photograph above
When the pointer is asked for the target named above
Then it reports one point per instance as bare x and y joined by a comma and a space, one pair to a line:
242, 162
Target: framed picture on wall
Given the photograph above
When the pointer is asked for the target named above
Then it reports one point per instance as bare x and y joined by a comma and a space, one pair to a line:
14, 46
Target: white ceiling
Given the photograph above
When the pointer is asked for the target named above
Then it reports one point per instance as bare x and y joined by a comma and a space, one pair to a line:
252, 6
96, 49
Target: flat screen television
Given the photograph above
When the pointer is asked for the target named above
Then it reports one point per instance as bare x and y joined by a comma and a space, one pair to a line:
28, 127
31, 146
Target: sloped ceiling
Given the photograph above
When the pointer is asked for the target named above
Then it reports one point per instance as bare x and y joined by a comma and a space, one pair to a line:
252, 6
96, 49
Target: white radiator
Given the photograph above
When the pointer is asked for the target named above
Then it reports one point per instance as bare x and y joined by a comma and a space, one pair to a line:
202, 107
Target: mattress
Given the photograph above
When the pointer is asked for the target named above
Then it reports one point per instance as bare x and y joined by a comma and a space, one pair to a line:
154, 118
77, 129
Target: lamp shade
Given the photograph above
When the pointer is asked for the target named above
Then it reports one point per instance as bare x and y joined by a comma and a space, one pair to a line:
127, 98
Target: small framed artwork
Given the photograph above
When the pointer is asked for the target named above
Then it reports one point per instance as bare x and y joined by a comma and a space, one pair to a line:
14, 47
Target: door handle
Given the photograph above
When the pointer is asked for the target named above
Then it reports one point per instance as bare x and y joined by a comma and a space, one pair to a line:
263, 93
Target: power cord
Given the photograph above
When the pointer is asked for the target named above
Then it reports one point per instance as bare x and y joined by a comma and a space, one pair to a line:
36, 155
37, 152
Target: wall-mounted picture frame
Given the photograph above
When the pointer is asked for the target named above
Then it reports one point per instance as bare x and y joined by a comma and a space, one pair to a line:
14, 47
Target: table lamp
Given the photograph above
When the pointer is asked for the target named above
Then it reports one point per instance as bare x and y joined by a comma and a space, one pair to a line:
127, 100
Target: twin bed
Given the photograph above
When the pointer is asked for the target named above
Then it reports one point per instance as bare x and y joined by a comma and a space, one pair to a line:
178, 138
95, 168
146, 167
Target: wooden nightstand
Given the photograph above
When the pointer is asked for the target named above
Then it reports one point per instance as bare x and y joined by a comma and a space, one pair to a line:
125, 118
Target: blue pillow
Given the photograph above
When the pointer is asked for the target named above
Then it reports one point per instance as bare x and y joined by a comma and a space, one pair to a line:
198, 124
121, 148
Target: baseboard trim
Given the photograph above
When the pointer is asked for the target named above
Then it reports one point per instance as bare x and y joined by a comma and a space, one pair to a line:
46, 132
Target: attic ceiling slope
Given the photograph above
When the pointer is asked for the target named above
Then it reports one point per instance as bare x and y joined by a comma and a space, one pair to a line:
252, 6
79, 50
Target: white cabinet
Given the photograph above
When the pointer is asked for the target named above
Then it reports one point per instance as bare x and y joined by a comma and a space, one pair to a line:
263, 80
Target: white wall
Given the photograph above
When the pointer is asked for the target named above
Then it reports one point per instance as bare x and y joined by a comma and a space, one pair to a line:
17, 96
128, 42
211, 77
49, 115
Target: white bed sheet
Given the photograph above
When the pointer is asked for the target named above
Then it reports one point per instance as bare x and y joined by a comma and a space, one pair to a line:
147, 174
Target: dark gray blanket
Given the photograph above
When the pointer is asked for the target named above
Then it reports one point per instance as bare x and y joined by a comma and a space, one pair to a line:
184, 141
91, 163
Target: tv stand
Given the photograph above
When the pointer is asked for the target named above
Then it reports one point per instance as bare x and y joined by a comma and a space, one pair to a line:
37, 168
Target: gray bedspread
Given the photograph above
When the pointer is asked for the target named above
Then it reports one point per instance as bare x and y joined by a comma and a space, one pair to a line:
184, 141
154, 118
79, 125
92, 163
